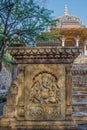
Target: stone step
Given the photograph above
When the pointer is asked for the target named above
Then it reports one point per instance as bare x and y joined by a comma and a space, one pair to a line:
79, 94
79, 103
79, 107
79, 85
79, 114
79, 97
79, 90
80, 80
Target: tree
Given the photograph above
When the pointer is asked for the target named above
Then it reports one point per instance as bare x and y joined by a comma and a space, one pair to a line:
48, 37
21, 20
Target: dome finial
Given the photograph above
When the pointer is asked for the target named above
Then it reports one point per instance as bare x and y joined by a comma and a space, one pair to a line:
66, 10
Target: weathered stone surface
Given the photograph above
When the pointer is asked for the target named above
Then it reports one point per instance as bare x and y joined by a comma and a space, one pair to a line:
40, 94
5, 128
81, 127
5, 78
44, 92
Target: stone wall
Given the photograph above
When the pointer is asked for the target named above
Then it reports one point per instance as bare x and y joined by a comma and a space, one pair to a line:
5, 78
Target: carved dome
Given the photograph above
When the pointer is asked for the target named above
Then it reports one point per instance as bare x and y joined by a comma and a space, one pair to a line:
68, 21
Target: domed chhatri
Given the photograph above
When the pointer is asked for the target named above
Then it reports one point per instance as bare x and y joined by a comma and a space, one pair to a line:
71, 32
68, 21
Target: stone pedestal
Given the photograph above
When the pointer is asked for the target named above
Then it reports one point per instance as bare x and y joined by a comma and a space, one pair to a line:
41, 93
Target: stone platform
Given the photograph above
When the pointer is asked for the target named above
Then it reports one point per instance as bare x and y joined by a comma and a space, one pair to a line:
40, 96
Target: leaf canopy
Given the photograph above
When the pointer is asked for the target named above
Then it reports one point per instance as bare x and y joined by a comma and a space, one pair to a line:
23, 21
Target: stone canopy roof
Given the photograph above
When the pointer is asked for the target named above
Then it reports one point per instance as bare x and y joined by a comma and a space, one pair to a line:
68, 21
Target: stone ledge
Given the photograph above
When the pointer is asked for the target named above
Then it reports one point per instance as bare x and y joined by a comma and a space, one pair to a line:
44, 54
51, 125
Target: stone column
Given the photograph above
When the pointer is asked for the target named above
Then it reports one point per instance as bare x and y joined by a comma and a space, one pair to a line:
63, 41
77, 40
85, 44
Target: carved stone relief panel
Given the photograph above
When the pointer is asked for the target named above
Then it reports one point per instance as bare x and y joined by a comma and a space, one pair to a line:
44, 92
45, 89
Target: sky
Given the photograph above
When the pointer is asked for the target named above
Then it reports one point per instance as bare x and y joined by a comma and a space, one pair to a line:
77, 8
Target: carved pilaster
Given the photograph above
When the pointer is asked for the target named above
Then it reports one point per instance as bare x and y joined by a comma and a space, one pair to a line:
68, 92
21, 83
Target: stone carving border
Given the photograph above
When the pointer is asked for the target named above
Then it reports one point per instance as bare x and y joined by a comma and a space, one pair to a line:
44, 54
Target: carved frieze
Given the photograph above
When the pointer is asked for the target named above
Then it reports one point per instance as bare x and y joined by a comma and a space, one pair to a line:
44, 55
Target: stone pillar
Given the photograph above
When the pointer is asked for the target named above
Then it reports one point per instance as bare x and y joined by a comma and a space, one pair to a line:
77, 40
85, 44
63, 41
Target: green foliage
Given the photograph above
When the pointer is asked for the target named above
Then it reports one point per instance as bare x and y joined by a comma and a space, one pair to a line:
21, 21
48, 37
6, 61
24, 19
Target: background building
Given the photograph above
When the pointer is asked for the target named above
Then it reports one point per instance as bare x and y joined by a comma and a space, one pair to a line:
71, 32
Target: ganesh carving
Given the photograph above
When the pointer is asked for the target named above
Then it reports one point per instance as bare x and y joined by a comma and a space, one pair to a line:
44, 97
45, 89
